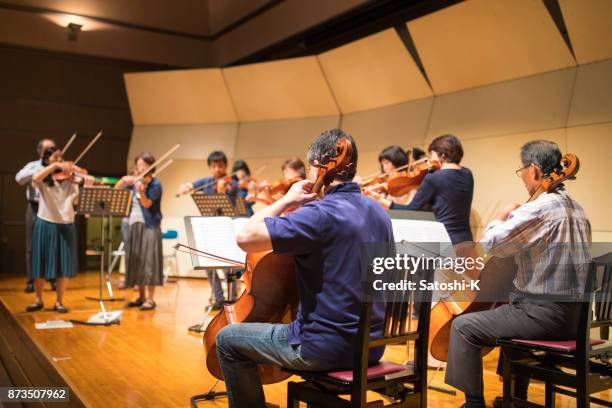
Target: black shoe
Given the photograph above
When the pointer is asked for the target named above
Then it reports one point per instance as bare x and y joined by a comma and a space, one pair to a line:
59, 308
29, 288
218, 305
148, 305
136, 303
34, 307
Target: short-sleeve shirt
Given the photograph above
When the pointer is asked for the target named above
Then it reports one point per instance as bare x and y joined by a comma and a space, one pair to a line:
56, 201
152, 216
325, 238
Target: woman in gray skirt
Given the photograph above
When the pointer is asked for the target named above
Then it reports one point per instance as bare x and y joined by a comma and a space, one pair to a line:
143, 252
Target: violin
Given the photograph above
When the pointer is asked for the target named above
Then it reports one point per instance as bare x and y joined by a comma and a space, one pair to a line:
401, 182
496, 277
270, 294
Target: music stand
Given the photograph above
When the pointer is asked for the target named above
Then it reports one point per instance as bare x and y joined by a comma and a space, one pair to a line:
104, 202
214, 205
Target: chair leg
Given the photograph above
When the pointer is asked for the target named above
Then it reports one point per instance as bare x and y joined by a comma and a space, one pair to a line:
508, 381
550, 395
583, 399
291, 402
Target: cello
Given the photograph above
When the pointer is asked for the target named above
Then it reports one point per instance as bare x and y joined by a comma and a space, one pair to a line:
270, 294
496, 277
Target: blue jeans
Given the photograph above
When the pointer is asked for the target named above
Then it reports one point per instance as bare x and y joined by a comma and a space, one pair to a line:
241, 346
215, 282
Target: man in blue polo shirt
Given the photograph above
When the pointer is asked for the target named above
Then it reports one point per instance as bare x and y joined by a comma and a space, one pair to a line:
325, 237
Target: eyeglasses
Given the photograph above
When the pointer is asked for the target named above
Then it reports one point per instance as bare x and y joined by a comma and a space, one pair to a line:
518, 172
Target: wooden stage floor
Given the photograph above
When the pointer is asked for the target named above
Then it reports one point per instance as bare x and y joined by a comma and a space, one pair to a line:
150, 360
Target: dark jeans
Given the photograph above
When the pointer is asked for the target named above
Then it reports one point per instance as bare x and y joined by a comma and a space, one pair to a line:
523, 318
215, 283
241, 346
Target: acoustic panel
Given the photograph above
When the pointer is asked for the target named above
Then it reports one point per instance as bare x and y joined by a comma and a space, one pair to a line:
493, 162
589, 24
179, 97
403, 124
372, 72
537, 102
285, 89
592, 100
479, 42
197, 141
593, 146
280, 138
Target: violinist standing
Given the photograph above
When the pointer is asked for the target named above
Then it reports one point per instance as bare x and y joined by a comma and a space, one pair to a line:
143, 251
24, 178
550, 240
242, 177
54, 251
219, 182
448, 191
325, 237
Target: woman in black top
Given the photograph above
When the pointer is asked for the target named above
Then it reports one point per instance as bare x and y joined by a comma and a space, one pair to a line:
448, 191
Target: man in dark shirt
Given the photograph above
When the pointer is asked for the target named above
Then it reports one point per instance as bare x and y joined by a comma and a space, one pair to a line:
325, 237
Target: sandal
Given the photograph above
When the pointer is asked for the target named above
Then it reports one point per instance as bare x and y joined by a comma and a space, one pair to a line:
59, 308
34, 307
136, 303
148, 305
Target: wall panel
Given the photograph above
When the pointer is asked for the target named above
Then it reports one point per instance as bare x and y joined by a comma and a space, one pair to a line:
179, 97
480, 42
403, 124
593, 146
197, 141
285, 89
280, 138
592, 100
373, 72
527, 104
590, 31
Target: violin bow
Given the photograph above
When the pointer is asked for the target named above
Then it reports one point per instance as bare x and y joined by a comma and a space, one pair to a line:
194, 251
68, 143
162, 158
89, 146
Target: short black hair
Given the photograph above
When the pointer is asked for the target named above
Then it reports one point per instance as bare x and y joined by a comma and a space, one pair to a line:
240, 165
543, 153
40, 143
45, 161
217, 155
417, 153
395, 154
448, 148
325, 144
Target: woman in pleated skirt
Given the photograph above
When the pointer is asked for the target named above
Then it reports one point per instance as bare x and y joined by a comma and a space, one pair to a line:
54, 251
143, 251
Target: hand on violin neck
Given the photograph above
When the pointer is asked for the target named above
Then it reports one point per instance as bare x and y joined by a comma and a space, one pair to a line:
299, 193
505, 212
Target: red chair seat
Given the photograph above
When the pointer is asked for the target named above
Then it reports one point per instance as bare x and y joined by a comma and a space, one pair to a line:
379, 370
563, 345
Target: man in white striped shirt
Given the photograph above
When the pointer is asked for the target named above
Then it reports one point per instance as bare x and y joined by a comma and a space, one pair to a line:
550, 240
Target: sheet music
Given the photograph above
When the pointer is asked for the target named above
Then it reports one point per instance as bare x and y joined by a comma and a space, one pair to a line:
418, 232
217, 235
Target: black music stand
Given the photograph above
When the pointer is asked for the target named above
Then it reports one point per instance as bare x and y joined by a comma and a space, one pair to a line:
214, 205
104, 202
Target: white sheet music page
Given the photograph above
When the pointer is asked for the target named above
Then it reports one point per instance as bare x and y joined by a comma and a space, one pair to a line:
418, 231
217, 235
